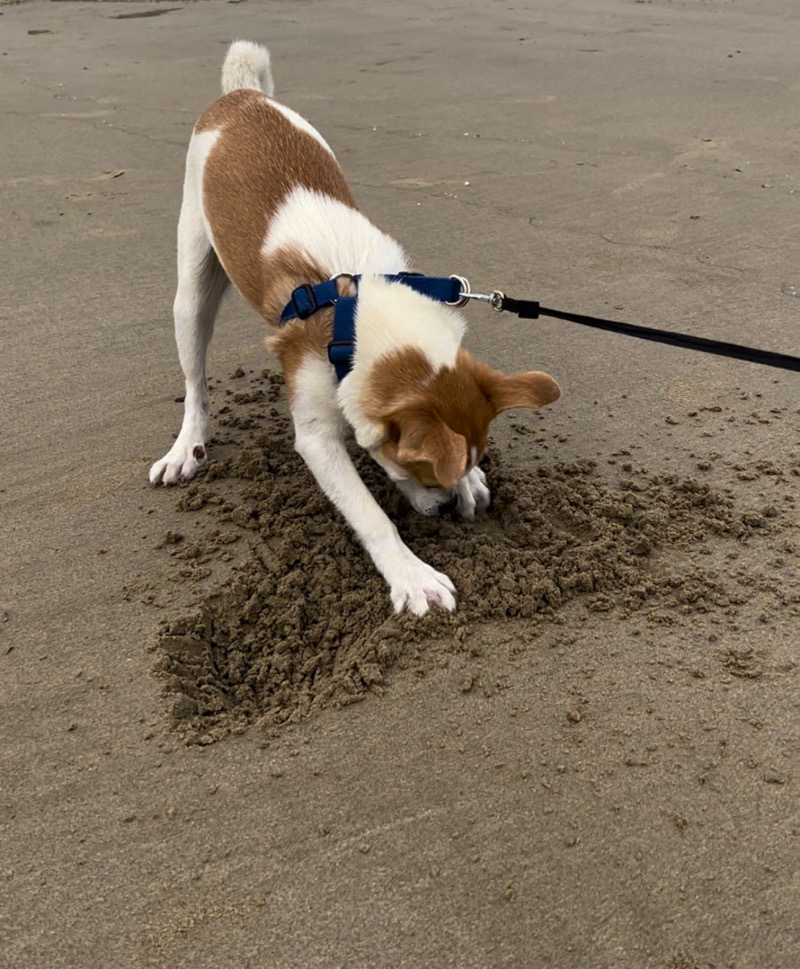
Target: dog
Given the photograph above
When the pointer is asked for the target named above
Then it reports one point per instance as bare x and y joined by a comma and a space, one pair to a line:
266, 207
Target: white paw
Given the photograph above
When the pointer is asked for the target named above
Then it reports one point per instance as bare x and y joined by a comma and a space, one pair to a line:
473, 493
180, 463
416, 587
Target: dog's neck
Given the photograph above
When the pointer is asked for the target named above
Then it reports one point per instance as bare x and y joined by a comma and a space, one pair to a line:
314, 238
333, 234
390, 317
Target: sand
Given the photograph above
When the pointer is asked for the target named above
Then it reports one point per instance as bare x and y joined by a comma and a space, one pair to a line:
304, 622
220, 748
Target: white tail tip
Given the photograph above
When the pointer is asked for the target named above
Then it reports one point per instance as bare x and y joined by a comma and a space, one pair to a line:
247, 66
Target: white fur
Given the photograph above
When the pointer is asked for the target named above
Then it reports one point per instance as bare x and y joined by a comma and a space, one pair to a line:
391, 315
200, 146
247, 65
338, 238
194, 310
472, 493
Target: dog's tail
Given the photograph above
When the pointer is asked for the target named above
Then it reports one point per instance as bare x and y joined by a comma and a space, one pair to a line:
247, 65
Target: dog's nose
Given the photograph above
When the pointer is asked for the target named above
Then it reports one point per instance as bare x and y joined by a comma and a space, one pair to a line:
450, 505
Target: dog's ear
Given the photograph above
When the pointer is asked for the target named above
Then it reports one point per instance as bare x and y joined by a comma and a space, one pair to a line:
533, 389
424, 438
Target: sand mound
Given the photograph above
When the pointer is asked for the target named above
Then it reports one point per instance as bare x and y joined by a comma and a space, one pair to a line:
305, 621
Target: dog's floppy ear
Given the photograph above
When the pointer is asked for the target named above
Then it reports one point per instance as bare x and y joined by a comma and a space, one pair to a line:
533, 389
423, 437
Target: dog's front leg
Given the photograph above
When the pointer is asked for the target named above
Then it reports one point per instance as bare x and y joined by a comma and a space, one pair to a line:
473, 493
319, 439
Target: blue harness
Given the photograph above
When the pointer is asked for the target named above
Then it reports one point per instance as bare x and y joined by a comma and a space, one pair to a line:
307, 299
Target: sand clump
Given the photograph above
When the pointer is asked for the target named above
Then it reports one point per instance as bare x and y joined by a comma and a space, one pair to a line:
304, 621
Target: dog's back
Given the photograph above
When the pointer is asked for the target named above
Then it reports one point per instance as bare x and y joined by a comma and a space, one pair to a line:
256, 153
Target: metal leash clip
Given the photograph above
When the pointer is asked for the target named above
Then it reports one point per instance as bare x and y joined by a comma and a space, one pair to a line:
494, 299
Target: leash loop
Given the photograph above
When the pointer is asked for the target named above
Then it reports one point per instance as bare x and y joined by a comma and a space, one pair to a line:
463, 291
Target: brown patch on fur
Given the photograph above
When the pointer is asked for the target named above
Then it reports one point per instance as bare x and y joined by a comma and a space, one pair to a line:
421, 471
430, 450
297, 340
533, 389
285, 270
397, 378
433, 419
258, 159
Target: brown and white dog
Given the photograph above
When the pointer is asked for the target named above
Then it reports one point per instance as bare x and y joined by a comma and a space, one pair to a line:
266, 206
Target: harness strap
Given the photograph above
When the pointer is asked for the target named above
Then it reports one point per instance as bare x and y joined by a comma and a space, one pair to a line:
307, 300
342, 345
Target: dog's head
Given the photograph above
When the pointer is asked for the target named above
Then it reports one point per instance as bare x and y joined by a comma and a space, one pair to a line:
436, 423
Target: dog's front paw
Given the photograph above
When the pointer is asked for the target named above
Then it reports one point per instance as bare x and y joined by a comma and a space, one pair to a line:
416, 587
180, 463
473, 494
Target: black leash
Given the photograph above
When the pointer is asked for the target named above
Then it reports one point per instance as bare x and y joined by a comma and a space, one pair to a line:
531, 310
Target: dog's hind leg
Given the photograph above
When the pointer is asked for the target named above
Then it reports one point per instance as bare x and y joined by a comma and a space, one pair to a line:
201, 284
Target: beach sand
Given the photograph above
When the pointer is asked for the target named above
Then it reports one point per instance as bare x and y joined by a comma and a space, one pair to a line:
219, 747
